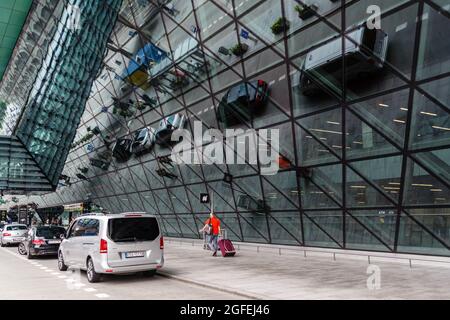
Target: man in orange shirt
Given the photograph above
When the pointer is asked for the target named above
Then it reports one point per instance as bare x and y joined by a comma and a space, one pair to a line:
214, 222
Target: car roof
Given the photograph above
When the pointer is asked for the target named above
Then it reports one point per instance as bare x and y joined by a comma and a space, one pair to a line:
116, 215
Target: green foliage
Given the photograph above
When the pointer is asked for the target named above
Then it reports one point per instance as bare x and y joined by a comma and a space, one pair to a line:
239, 49
280, 25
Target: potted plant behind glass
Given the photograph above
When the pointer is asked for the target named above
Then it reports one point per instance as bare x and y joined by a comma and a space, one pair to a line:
280, 25
306, 11
239, 49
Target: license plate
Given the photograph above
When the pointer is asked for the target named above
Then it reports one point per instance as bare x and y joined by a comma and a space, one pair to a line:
54, 241
17, 239
139, 254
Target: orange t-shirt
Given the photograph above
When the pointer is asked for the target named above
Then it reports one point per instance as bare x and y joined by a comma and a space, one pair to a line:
215, 225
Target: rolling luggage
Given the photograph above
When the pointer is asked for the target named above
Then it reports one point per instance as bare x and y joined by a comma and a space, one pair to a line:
226, 247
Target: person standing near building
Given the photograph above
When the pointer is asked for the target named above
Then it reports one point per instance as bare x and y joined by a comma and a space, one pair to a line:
214, 234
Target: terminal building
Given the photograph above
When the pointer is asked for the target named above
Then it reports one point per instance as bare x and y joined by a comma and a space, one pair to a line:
92, 91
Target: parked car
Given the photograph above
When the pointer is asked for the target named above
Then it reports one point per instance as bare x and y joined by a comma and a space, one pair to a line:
242, 101
13, 234
42, 241
2, 225
167, 126
113, 244
143, 141
121, 150
323, 66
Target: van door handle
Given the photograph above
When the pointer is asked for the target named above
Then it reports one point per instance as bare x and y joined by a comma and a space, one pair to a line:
88, 244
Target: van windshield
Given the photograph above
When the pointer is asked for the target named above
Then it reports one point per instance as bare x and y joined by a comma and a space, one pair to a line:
133, 229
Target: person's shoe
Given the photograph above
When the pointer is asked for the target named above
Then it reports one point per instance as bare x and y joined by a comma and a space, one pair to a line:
214, 254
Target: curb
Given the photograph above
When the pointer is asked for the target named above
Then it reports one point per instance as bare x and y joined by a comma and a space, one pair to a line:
197, 283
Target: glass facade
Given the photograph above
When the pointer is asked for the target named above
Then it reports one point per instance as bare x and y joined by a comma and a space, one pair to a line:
362, 111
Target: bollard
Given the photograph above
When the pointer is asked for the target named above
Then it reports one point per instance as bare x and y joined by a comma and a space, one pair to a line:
279, 251
257, 249
304, 253
410, 263
368, 258
334, 256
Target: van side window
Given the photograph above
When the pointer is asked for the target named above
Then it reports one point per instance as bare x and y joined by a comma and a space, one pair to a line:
78, 229
91, 228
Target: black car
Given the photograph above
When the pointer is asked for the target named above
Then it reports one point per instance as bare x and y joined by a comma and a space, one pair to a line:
122, 150
42, 240
242, 101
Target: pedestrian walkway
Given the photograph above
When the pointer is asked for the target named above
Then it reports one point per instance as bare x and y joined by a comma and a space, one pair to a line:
293, 276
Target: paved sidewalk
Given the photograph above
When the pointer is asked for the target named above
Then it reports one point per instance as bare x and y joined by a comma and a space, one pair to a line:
270, 276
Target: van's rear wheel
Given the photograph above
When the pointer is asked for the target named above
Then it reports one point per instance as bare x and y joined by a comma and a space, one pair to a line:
92, 276
61, 265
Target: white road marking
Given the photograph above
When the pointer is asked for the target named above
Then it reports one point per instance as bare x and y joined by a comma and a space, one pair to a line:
90, 289
293, 72
401, 27
102, 295
48, 270
220, 18
70, 280
79, 285
62, 277
205, 110
271, 82
55, 273
282, 77
43, 268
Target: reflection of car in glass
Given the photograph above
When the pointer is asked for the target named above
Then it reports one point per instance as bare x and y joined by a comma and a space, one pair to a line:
167, 126
122, 150
143, 140
323, 65
13, 234
116, 244
42, 240
251, 204
242, 101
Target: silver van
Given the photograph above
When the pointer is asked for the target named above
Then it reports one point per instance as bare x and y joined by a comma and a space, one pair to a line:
112, 244
365, 53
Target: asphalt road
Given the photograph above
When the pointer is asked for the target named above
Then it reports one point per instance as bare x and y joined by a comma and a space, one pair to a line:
39, 279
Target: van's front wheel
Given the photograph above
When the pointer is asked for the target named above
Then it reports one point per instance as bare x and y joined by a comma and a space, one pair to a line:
61, 265
92, 276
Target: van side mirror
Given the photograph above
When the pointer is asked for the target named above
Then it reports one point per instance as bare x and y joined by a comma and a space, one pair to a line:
62, 236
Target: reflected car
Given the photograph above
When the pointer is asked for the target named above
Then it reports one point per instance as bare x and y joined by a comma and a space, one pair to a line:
143, 141
113, 244
167, 126
42, 241
242, 101
322, 67
121, 150
13, 234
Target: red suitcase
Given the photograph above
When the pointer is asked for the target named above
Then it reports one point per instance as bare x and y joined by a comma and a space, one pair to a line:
227, 248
